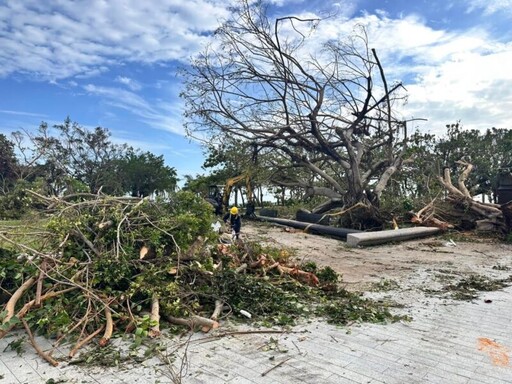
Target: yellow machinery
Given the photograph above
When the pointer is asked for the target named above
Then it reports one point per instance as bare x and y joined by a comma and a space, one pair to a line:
218, 195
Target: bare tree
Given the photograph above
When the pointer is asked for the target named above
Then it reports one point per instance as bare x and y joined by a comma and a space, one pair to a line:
325, 108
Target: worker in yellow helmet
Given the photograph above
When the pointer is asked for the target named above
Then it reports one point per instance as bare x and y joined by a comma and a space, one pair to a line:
235, 221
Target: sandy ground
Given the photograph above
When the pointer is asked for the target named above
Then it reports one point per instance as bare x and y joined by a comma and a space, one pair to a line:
427, 263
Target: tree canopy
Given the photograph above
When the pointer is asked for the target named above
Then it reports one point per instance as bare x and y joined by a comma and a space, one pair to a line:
145, 173
68, 158
327, 109
8, 162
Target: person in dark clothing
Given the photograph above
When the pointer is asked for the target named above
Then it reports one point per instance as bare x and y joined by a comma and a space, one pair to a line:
235, 221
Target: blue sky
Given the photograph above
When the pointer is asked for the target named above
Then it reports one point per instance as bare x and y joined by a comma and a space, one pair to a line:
114, 63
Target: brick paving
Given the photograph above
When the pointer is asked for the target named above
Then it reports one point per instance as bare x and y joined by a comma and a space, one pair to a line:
446, 342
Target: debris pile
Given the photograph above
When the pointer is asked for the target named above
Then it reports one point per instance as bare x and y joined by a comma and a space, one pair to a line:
106, 265
459, 209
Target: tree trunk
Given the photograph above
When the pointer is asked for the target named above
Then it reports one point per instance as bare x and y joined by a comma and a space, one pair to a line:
486, 216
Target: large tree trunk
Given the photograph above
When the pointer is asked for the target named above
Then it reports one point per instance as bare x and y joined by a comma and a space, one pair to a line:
486, 216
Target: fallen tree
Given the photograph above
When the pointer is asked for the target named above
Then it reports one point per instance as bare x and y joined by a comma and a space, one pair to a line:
324, 115
486, 216
87, 275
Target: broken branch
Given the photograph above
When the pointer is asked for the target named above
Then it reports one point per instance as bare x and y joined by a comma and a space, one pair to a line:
194, 321
11, 304
155, 317
219, 305
80, 344
38, 349
109, 327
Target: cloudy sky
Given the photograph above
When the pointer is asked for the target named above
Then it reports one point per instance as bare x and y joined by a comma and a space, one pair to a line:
112, 63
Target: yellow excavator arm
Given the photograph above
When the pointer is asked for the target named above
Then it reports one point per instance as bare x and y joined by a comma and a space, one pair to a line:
230, 183
222, 204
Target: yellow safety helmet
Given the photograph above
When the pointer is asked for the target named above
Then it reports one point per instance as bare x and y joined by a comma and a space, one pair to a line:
234, 210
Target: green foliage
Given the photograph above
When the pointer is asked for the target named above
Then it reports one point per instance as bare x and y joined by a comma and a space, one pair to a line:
5, 325
108, 356
143, 326
15, 203
8, 162
12, 272
69, 158
384, 285
279, 304
349, 307
326, 275
95, 244
468, 288
105, 260
17, 346
70, 150
145, 173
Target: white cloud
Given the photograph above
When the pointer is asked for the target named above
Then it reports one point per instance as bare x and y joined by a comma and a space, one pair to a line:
21, 113
160, 115
450, 75
55, 39
490, 7
130, 83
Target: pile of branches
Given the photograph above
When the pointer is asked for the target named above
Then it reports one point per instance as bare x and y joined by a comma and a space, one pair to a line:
104, 266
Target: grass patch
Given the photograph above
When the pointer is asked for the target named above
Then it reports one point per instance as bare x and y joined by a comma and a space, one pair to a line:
29, 232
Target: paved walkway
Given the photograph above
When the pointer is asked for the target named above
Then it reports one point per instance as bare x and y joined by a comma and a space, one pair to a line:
446, 342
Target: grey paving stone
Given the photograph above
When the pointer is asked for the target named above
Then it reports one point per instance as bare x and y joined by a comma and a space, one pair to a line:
443, 379
440, 345
336, 379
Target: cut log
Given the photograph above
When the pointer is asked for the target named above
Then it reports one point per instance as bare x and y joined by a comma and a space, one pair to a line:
316, 229
381, 237
146, 253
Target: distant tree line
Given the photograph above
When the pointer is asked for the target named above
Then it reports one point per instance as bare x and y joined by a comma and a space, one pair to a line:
413, 185
68, 158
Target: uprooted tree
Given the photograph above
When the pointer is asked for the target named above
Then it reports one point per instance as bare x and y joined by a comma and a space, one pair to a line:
324, 108
486, 216
458, 208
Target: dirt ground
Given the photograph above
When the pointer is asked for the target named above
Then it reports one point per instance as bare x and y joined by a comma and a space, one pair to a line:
427, 264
